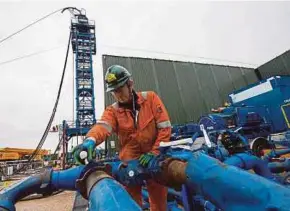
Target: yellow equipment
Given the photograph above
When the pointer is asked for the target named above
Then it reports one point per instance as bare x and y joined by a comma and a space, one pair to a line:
20, 154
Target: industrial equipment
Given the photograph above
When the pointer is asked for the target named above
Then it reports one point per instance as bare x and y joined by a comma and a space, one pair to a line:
83, 42
200, 178
231, 147
20, 154
274, 94
257, 110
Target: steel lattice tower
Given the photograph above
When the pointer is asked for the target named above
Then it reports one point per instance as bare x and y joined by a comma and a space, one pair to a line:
84, 47
83, 42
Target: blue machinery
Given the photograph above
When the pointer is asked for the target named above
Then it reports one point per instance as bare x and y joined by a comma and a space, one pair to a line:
273, 94
83, 42
259, 109
259, 112
204, 183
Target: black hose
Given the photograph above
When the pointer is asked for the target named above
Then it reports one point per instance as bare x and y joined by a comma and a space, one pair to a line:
44, 136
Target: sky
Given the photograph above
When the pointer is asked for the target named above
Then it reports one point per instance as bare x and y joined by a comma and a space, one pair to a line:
230, 33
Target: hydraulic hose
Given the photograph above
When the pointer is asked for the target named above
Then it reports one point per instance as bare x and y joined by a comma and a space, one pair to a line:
173, 206
48, 126
276, 153
247, 162
66, 179
9, 196
231, 188
109, 195
45, 182
106, 194
279, 167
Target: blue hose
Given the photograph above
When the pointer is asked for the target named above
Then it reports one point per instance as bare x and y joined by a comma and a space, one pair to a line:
275, 154
247, 162
171, 205
231, 188
66, 179
10, 195
207, 205
39, 184
109, 195
279, 167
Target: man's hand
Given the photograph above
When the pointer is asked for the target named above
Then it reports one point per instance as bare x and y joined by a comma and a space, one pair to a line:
89, 146
145, 159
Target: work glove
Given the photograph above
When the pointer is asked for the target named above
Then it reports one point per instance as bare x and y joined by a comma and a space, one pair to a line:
145, 159
89, 146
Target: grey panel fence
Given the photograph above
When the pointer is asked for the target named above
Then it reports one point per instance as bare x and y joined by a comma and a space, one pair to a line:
277, 66
188, 90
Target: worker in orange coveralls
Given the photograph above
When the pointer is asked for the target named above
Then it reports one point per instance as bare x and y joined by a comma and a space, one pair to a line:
141, 122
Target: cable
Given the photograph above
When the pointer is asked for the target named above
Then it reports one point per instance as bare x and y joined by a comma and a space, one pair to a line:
57, 100
29, 25
185, 55
57, 147
73, 91
29, 55
43, 138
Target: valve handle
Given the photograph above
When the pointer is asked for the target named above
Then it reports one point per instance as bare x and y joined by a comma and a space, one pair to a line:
84, 156
206, 138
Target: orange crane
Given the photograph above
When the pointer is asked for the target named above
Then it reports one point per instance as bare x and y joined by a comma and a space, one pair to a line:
20, 154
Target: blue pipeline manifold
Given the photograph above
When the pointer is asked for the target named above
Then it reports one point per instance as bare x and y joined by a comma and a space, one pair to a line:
219, 185
96, 186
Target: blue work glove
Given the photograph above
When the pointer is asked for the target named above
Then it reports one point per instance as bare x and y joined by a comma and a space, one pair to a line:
145, 159
89, 146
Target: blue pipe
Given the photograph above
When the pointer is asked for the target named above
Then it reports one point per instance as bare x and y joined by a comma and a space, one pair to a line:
174, 193
109, 195
280, 152
36, 184
276, 154
145, 205
10, 195
231, 188
247, 162
279, 167
66, 179
171, 205
145, 195
186, 198
243, 139
195, 136
207, 205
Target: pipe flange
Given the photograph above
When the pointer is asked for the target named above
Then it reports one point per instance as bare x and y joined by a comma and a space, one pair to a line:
46, 179
90, 178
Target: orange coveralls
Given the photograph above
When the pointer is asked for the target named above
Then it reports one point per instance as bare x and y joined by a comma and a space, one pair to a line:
153, 126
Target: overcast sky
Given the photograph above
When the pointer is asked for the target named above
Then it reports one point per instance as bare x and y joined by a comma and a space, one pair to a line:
235, 33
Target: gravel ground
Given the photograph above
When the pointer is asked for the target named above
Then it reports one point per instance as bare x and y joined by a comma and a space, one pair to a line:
60, 202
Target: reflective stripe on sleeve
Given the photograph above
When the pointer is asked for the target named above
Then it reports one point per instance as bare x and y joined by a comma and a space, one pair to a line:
105, 125
164, 124
144, 95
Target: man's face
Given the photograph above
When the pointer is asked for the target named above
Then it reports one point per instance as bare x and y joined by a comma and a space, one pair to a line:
122, 94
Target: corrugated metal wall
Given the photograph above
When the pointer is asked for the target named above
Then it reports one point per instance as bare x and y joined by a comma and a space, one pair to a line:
277, 66
187, 89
